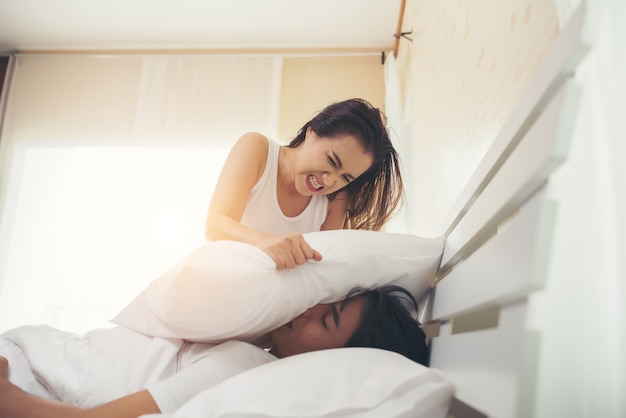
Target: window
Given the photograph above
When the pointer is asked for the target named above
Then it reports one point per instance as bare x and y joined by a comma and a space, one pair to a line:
107, 167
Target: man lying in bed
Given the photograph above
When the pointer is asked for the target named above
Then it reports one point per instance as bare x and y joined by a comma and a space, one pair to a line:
365, 318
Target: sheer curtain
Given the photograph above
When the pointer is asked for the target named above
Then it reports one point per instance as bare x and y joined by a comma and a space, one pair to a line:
107, 166
399, 125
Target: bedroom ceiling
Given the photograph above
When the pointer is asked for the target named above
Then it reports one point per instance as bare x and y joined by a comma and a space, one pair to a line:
29, 25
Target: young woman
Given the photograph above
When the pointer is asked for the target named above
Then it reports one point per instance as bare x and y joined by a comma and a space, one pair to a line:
340, 171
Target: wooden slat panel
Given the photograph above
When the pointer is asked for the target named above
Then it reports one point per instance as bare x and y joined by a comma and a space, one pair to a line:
486, 366
459, 409
542, 149
511, 264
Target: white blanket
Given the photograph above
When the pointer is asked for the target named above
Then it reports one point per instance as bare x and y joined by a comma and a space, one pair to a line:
86, 370
106, 364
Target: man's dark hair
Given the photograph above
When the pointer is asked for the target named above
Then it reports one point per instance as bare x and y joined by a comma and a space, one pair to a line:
388, 324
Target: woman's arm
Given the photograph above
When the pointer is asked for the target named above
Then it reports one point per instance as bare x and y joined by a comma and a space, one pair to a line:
242, 169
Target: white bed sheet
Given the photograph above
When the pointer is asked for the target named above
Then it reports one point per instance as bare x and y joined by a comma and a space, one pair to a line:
86, 370
106, 364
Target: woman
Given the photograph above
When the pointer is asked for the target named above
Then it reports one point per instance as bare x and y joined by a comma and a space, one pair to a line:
340, 171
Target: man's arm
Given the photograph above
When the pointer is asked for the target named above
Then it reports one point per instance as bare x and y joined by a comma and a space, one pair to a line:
15, 403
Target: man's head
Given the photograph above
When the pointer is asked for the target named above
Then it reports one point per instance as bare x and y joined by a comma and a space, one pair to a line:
387, 323
321, 327
375, 318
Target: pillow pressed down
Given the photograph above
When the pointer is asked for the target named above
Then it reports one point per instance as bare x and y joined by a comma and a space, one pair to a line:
230, 290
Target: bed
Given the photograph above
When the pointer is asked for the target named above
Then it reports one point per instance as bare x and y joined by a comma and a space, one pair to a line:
474, 307
197, 329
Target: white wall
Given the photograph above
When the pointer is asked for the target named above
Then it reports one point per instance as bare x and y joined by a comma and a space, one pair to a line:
467, 64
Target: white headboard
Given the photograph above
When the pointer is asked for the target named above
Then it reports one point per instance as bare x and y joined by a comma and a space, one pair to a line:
498, 238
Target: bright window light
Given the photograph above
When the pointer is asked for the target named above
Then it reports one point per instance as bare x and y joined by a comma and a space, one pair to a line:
90, 227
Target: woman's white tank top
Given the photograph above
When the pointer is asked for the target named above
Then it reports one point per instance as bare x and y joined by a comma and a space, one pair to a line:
263, 213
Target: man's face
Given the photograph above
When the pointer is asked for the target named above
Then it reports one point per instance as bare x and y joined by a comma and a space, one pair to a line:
321, 327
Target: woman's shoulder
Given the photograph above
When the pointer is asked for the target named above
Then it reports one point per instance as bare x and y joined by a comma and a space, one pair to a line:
250, 153
254, 140
252, 144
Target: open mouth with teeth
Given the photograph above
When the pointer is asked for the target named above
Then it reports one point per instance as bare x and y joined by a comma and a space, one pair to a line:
313, 183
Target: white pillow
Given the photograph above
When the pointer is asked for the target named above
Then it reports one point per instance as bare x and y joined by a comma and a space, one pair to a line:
344, 382
229, 290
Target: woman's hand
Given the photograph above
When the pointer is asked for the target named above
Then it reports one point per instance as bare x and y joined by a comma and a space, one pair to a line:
289, 251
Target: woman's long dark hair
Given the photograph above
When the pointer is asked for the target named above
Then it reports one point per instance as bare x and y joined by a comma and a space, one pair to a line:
374, 195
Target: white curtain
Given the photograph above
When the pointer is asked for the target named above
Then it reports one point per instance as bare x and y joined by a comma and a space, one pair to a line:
582, 312
399, 126
107, 168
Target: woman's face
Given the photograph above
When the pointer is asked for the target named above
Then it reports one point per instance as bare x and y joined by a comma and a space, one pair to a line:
325, 165
321, 327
